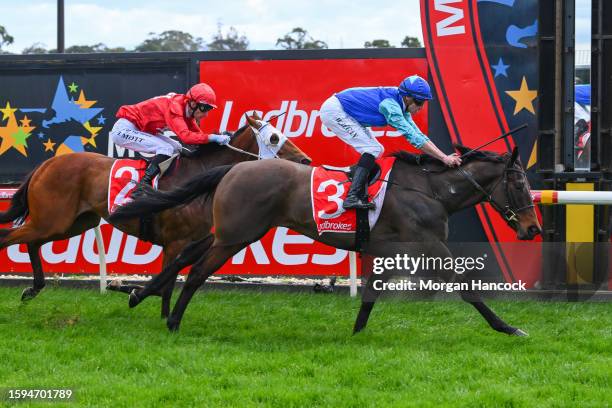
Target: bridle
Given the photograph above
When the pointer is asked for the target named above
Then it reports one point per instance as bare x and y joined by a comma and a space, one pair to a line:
271, 151
509, 210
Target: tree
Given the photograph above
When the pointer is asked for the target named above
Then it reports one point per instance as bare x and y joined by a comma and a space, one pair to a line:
99, 47
5, 37
378, 44
298, 39
172, 40
411, 42
36, 48
231, 41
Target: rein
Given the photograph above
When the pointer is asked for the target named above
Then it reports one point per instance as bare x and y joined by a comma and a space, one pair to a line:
236, 149
257, 137
509, 214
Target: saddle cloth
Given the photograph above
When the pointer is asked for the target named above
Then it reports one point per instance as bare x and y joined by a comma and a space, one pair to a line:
329, 188
125, 175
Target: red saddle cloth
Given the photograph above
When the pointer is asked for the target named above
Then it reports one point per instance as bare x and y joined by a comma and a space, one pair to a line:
123, 178
329, 188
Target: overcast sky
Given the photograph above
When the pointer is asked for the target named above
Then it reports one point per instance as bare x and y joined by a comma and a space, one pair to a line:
126, 23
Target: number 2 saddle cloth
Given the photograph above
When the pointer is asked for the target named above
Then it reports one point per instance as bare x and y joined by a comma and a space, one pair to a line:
329, 187
125, 175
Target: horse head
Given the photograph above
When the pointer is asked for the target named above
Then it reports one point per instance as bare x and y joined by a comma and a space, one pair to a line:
510, 194
266, 141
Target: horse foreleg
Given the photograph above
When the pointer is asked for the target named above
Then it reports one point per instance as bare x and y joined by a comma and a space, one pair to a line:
208, 264
489, 315
168, 275
37, 270
368, 299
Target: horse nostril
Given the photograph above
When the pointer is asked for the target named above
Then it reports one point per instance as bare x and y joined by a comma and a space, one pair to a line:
533, 231
306, 161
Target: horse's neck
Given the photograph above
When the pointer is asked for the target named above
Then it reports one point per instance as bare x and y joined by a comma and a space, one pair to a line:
456, 192
220, 157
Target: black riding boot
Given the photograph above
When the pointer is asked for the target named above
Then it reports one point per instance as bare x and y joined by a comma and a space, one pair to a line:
357, 195
150, 173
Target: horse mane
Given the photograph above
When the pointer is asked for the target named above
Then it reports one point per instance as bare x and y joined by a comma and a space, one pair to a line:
214, 147
421, 159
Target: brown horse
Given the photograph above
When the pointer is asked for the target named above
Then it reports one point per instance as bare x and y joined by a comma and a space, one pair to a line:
67, 195
251, 198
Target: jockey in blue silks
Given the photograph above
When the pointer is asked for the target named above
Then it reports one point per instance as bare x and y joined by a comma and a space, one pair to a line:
350, 112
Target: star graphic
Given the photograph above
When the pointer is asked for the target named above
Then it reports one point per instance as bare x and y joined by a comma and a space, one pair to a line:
48, 145
523, 97
101, 120
83, 102
41, 135
7, 111
65, 110
500, 68
13, 135
25, 121
93, 132
73, 87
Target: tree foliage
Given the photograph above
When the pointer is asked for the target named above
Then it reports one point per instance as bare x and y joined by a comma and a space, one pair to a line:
299, 39
379, 43
411, 42
39, 48
230, 41
5, 37
172, 40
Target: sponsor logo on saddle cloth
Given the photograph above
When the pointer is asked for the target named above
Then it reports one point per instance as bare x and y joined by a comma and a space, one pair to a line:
329, 188
123, 178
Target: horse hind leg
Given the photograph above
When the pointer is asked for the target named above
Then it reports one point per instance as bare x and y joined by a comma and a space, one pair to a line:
37, 270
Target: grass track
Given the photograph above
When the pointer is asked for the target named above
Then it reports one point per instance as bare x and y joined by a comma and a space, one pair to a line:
278, 349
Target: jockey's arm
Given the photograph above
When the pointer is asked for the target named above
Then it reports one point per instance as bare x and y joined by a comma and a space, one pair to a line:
395, 118
177, 124
403, 122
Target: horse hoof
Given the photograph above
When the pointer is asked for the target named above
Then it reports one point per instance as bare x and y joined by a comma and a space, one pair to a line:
114, 285
28, 294
134, 299
520, 333
173, 325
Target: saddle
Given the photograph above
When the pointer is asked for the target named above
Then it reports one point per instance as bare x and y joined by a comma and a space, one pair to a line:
350, 171
168, 165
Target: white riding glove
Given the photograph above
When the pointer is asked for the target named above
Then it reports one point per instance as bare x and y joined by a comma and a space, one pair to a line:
221, 139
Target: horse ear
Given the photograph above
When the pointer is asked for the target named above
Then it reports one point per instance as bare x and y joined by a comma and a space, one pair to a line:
250, 120
256, 115
513, 157
461, 149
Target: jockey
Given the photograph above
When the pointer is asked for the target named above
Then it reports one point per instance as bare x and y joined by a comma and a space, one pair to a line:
347, 114
140, 127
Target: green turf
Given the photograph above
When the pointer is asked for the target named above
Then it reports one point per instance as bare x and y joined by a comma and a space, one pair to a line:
279, 349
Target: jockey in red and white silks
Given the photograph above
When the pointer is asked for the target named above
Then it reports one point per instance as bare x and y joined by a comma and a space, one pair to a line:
140, 127
349, 114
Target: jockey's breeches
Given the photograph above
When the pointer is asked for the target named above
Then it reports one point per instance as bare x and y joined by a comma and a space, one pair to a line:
127, 135
348, 129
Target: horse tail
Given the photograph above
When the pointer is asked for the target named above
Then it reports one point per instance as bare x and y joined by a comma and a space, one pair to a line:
154, 201
19, 203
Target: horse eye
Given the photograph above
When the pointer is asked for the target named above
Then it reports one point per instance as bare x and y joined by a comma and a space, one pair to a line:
274, 139
519, 186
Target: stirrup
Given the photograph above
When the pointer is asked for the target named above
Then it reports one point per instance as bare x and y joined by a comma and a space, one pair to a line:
359, 204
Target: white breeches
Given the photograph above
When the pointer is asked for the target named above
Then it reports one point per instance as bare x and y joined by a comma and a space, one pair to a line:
348, 129
125, 134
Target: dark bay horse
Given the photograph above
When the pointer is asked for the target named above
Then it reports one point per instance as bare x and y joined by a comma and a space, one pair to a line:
250, 198
67, 195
